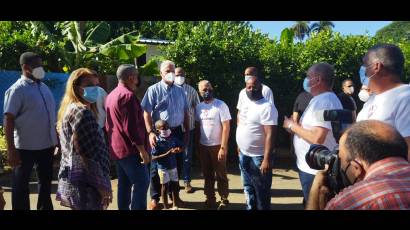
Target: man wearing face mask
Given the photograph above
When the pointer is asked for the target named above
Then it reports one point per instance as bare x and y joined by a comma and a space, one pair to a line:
255, 137
193, 100
346, 98
166, 101
30, 127
243, 99
127, 136
390, 102
373, 160
311, 129
364, 94
213, 117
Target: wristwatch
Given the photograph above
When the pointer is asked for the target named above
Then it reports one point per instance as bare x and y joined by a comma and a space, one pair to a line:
151, 131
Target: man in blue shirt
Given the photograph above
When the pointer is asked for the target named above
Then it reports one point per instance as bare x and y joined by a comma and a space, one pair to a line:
166, 101
30, 118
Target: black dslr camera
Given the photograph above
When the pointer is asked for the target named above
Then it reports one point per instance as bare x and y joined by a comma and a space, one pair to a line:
317, 157
340, 119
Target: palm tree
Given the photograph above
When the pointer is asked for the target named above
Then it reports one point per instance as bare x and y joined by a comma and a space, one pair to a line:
301, 29
321, 26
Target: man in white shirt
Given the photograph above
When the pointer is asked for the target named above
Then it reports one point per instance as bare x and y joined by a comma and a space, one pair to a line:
243, 99
213, 117
255, 137
390, 100
312, 129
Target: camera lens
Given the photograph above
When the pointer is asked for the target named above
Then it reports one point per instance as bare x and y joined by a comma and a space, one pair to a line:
318, 156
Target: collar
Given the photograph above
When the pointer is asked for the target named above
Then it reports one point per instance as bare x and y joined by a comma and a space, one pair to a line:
28, 80
123, 86
383, 166
165, 85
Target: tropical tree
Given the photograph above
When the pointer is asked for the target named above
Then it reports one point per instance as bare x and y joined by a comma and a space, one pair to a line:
301, 29
321, 26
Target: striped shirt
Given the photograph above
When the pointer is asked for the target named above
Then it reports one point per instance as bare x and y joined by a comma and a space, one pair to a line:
385, 186
165, 102
193, 100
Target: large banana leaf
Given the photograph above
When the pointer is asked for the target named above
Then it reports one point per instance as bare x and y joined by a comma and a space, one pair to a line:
149, 69
74, 30
98, 34
286, 37
124, 48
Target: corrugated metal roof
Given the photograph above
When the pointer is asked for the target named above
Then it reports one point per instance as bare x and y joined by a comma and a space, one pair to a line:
155, 41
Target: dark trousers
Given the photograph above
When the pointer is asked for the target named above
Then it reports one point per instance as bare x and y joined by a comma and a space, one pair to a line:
155, 186
213, 169
43, 159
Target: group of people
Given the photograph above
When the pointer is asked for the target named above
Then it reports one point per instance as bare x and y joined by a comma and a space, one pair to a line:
152, 141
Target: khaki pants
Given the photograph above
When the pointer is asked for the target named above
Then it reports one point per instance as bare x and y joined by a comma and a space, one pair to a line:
213, 169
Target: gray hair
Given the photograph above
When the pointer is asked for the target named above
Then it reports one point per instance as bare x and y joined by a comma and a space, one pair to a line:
125, 70
204, 82
390, 55
326, 72
166, 63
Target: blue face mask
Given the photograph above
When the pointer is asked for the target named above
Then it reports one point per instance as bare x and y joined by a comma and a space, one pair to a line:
91, 94
363, 78
306, 86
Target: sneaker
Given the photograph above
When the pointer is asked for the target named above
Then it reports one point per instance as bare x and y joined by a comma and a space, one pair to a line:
223, 204
189, 188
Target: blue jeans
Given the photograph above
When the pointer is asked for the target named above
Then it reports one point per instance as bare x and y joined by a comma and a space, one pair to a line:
186, 174
256, 186
306, 180
132, 175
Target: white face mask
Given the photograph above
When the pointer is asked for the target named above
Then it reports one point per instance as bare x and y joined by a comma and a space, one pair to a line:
38, 73
364, 95
170, 77
165, 133
179, 80
350, 89
247, 77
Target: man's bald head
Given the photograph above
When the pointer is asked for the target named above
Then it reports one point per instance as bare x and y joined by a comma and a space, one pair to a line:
325, 71
373, 140
251, 71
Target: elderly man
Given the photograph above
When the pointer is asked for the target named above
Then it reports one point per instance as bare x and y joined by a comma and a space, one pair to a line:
255, 137
390, 101
127, 137
166, 101
30, 127
213, 127
193, 100
373, 161
311, 129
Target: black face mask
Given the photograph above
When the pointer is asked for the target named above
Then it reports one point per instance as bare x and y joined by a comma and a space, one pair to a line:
254, 95
345, 179
208, 95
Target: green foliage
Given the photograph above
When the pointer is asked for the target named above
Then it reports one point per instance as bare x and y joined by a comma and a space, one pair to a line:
395, 31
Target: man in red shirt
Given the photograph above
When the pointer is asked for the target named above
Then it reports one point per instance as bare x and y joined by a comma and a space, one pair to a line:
373, 158
127, 137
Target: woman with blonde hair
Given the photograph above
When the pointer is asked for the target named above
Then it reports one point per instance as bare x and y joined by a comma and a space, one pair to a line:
84, 177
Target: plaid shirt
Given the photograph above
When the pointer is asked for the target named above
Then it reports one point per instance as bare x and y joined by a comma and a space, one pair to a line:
85, 158
385, 186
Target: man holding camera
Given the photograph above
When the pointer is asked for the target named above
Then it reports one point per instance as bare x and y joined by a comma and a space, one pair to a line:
374, 168
390, 102
312, 129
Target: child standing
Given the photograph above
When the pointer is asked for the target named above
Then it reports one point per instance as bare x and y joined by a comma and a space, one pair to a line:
164, 154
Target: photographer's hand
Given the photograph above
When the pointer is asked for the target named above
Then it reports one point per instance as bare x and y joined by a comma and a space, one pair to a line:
318, 192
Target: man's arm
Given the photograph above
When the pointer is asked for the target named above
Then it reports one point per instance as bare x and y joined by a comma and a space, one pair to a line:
408, 145
148, 125
295, 116
186, 127
270, 133
162, 155
224, 140
318, 192
13, 155
316, 135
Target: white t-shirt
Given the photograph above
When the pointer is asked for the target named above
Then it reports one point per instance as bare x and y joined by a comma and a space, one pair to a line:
243, 99
323, 101
100, 107
392, 107
210, 116
250, 135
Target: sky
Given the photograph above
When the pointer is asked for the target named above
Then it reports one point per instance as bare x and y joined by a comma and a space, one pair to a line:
274, 28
